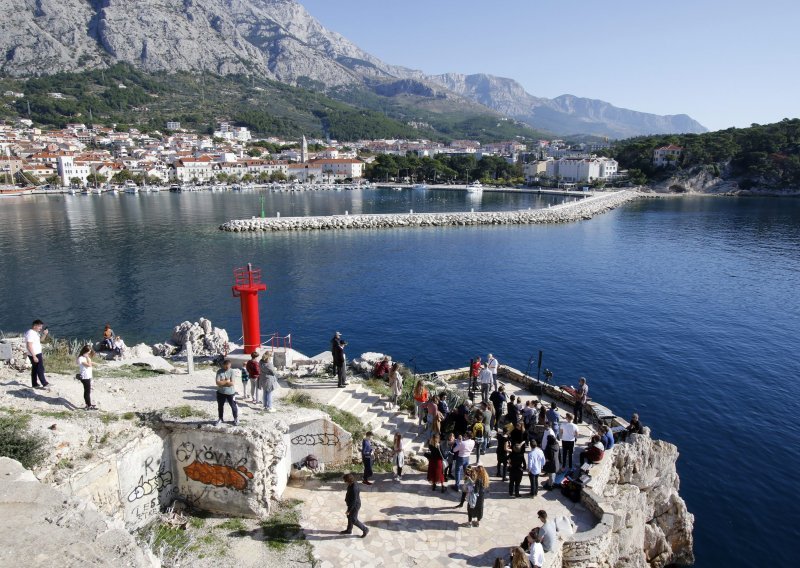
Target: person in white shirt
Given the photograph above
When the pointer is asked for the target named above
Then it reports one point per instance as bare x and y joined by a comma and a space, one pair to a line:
485, 380
535, 464
536, 557
463, 449
85, 372
33, 349
568, 433
493, 365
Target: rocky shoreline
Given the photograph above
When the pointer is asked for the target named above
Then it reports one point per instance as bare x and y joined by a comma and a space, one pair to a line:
563, 213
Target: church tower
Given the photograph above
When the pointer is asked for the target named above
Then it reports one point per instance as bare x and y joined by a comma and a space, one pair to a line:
304, 151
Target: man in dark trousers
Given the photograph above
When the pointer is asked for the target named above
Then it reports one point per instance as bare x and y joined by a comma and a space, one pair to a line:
339, 362
353, 502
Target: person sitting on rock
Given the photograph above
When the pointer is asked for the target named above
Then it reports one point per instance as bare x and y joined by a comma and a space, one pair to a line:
594, 451
382, 368
634, 427
118, 346
108, 338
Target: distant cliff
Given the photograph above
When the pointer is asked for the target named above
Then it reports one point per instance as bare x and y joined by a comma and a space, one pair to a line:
278, 40
566, 114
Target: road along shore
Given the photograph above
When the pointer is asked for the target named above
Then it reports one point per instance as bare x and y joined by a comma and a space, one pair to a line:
563, 213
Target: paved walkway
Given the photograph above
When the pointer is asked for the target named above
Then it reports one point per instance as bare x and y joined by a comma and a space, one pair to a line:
410, 525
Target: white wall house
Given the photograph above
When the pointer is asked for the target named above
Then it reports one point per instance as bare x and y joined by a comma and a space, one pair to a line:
666, 155
201, 169
582, 169
68, 168
340, 168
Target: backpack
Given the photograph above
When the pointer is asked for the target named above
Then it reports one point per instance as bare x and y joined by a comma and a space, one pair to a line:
312, 462
477, 430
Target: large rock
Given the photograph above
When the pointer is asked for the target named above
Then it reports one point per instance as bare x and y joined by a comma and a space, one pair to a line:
206, 340
41, 526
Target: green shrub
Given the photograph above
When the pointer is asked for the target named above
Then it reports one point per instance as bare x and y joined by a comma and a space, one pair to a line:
18, 443
185, 411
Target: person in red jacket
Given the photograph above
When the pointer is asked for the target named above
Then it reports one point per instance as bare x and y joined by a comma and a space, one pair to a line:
253, 370
594, 451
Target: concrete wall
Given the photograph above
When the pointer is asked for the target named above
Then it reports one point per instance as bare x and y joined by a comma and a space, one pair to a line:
323, 438
233, 471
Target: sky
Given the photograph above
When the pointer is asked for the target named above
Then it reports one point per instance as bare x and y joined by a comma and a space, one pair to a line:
723, 62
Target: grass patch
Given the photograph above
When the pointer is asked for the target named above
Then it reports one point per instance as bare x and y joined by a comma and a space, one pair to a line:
185, 411
346, 420
168, 543
283, 526
197, 522
378, 386
108, 417
18, 443
234, 525
60, 414
61, 355
129, 416
130, 372
65, 463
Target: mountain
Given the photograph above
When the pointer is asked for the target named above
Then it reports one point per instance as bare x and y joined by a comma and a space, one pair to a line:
279, 40
566, 114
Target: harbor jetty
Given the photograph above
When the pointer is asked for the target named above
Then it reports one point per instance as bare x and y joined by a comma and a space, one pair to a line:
563, 213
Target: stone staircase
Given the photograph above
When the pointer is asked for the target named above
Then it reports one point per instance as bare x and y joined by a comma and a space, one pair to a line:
371, 409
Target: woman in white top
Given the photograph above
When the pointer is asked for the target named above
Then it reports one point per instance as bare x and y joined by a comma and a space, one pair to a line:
85, 375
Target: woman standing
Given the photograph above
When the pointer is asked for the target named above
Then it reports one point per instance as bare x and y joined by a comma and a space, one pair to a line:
516, 465
267, 379
395, 385
398, 456
476, 486
552, 463
503, 447
420, 398
435, 463
85, 373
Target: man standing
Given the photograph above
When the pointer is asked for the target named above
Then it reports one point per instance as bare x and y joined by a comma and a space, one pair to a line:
493, 365
581, 396
339, 360
366, 457
568, 434
498, 399
535, 464
226, 392
485, 380
353, 502
33, 349
474, 371
487, 423
553, 418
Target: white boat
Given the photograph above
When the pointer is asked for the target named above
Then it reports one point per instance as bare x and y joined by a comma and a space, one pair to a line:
475, 187
419, 186
130, 187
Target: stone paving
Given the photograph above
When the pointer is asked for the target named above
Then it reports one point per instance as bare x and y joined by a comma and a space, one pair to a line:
410, 525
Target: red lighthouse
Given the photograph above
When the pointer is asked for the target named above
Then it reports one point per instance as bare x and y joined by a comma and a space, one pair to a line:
246, 286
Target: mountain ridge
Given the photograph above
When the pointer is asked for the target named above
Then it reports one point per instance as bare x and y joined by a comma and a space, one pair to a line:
277, 40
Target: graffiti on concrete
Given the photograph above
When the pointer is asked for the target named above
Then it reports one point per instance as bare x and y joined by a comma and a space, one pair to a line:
316, 440
219, 475
148, 486
188, 452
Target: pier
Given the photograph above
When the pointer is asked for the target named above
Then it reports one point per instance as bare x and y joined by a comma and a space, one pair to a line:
563, 213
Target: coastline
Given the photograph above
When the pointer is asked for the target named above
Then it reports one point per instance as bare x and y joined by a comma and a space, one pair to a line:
563, 213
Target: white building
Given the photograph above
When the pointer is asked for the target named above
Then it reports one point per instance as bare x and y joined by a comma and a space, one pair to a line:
68, 168
666, 155
200, 169
582, 169
173, 125
340, 168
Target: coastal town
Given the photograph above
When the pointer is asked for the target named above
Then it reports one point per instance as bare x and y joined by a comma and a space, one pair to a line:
80, 156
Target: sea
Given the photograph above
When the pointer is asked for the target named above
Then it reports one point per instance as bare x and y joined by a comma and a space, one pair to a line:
684, 310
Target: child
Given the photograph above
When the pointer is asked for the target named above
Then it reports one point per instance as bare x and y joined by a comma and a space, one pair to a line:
252, 371
398, 456
366, 456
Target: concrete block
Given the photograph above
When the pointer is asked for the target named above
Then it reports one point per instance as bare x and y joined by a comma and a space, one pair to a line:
5, 351
322, 437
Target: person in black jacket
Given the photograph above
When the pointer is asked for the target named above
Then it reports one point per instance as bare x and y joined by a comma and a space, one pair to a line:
339, 364
353, 502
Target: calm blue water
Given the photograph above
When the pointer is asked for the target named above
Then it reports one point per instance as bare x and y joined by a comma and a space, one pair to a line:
682, 310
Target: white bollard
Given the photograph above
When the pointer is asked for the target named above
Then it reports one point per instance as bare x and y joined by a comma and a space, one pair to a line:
278, 214
472, 210
190, 357
410, 211
346, 212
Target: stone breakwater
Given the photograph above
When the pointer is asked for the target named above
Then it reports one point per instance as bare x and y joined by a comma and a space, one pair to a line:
563, 213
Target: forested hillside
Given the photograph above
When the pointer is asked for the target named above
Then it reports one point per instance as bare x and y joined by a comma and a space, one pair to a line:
759, 156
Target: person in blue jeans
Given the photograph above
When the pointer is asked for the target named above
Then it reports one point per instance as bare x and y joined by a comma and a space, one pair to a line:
366, 457
463, 449
226, 392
